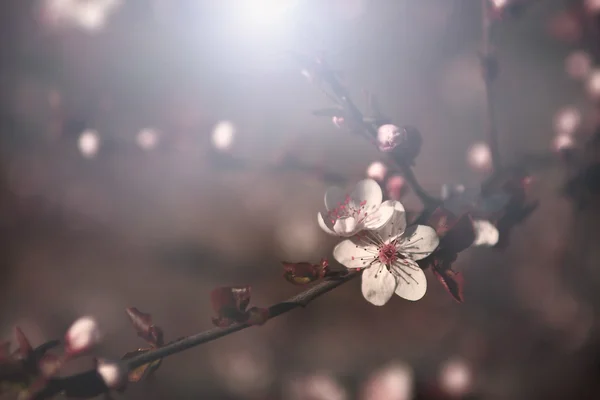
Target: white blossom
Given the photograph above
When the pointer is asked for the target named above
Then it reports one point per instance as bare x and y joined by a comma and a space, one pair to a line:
112, 373
389, 255
82, 335
349, 213
486, 233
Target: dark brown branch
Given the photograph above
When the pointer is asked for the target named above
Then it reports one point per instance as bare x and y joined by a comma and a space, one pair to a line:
300, 300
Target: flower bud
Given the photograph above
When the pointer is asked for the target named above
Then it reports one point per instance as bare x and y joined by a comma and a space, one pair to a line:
112, 374
82, 335
404, 142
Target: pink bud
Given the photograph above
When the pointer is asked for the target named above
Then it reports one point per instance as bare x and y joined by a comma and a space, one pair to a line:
396, 187
377, 171
388, 136
112, 374
82, 335
338, 121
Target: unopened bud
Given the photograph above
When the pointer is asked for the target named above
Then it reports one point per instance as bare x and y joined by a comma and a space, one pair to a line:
112, 373
82, 335
404, 142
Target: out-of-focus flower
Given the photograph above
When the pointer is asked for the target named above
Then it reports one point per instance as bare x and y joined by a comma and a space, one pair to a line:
223, 135
89, 143
592, 6
396, 187
389, 257
405, 142
82, 336
393, 382
147, 138
562, 142
480, 156
113, 375
455, 377
593, 83
349, 213
377, 171
338, 121
567, 120
578, 64
90, 15
316, 387
486, 233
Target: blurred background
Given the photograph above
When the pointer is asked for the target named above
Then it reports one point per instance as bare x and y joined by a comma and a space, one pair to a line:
152, 150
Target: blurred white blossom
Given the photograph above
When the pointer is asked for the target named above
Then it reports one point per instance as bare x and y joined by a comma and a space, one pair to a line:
479, 156
486, 233
377, 171
578, 64
223, 135
82, 335
89, 143
455, 377
567, 120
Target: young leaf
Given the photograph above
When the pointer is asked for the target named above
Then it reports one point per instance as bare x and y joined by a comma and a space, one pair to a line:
452, 281
25, 348
144, 327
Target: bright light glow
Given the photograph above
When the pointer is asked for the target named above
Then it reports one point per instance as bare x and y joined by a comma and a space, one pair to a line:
89, 143
147, 138
223, 134
500, 3
592, 5
567, 120
593, 84
390, 383
260, 13
377, 171
578, 64
456, 377
480, 156
562, 142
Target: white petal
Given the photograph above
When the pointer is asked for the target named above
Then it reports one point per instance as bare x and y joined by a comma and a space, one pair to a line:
324, 225
412, 283
334, 196
378, 285
354, 253
396, 225
419, 241
368, 191
345, 226
486, 233
379, 218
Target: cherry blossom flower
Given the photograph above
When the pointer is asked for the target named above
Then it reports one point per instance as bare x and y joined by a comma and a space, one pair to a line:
82, 335
348, 214
389, 256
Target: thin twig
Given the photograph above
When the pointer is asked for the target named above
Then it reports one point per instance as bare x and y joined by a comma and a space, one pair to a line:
488, 62
300, 300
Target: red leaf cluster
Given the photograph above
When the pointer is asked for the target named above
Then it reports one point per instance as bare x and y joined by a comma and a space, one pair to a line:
230, 303
302, 273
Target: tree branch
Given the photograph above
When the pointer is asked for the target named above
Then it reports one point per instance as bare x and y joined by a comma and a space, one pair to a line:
300, 300
489, 72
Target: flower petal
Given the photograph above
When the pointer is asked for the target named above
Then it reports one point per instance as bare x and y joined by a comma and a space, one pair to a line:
324, 225
419, 241
379, 218
412, 283
368, 191
345, 226
396, 225
334, 196
378, 284
486, 233
354, 253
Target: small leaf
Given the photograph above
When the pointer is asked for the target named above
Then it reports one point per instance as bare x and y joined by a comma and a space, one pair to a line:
452, 281
231, 302
144, 371
24, 346
302, 273
144, 327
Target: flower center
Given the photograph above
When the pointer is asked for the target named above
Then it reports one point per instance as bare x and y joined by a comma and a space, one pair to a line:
348, 209
388, 254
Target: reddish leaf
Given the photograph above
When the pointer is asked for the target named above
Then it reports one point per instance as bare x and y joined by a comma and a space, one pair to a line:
452, 281
144, 371
231, 302
24, 346
303, 272
144, 327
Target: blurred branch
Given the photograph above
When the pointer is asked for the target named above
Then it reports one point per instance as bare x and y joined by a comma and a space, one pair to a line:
489, 65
